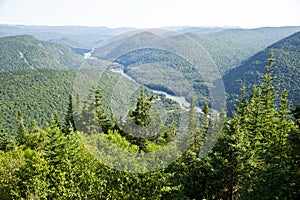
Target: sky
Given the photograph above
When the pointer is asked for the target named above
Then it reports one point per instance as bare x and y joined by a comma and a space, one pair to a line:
151, 13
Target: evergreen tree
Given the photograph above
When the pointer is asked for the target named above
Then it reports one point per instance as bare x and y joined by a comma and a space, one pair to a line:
206, 119
193, 122
173, 129
69, 121
206, 109
230, 158
296, 114
141, 117
22, 134
92, 118
141, 114
61, 155
103, 120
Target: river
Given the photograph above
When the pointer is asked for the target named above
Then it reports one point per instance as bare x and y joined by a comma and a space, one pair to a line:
179, 99
88, 55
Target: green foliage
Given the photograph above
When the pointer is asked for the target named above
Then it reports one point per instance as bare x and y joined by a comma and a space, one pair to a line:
254, 157
265, 130
39, 94
11, 163
33, 173
91, 116
26, 52
6, 140
70, 121
141, 115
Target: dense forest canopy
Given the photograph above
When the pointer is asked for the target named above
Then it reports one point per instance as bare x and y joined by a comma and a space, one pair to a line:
25, 52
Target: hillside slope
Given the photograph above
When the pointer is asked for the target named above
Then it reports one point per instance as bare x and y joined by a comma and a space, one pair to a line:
26, 52
41, 93
230, 47
287, 55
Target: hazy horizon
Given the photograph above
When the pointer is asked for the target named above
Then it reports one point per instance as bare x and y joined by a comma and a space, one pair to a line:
151, 14
175, 26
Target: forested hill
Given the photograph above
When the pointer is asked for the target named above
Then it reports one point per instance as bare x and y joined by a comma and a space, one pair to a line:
287, 61
230, 47
26, 52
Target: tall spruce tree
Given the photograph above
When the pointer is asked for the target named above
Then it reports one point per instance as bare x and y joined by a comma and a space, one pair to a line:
141, 114
22, 133
70, 121
141, 117
62, 156
102, 118
92, 118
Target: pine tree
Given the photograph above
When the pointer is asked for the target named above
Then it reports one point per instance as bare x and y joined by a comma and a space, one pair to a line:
296, 114
193, 122
141, 117
61, 154
206, 109
206, 120
69, 121
22, 134
141, 114
103, 120
77, 107
91, 118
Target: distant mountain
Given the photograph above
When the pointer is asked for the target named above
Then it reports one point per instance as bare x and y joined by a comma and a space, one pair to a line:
201, 30
74, 36
26, 52
229, 47
111, 49
287, 55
